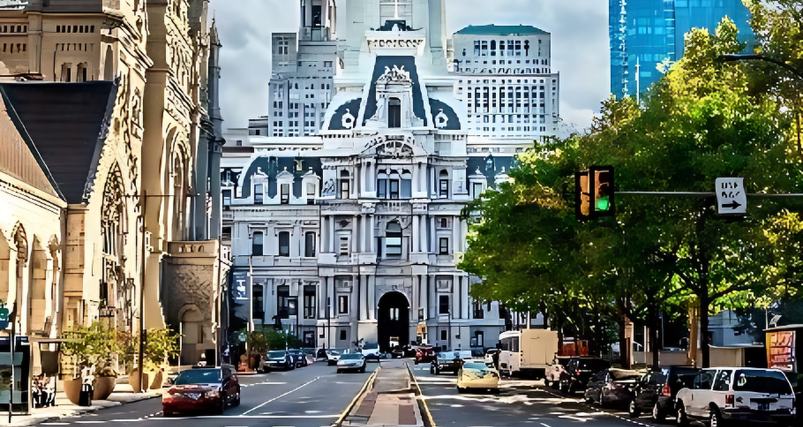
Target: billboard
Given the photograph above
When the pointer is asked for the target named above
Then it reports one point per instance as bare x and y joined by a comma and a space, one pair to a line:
781, 350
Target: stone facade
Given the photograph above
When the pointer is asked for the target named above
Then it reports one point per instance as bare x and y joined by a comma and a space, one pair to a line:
155, 143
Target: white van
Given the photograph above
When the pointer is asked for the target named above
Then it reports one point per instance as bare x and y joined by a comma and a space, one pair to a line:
723, 395
527, 353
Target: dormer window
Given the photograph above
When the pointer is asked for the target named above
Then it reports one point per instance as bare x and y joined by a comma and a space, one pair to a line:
394, 113
285, 194
344, 185
259, 194
443, 185
311, 193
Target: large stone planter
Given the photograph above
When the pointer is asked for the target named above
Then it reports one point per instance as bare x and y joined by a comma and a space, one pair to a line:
103, 387
72, 389
133, 380
158, 377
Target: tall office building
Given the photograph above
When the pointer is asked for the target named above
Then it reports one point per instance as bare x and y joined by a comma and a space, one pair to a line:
506, 82
301, 83
645, 33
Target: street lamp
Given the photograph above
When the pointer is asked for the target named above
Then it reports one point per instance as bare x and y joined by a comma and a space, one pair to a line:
733, 57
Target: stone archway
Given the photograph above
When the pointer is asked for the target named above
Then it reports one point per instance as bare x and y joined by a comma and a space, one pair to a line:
393, 319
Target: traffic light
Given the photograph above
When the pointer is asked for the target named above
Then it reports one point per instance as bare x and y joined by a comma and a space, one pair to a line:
594, 193
582, 204
602, 184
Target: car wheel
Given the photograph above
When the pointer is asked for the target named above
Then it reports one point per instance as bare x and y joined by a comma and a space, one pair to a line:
715, 418
555, 385
587, 398
681, 419
339, 371
236, 402
431, 369
658, 415
601, 399
362, 370
632, 409
219, 410
437, 371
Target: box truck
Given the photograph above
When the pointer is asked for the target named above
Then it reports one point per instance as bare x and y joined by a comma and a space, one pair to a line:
527, 353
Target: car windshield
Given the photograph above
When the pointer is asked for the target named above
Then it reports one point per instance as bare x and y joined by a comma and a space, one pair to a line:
370, 346
477, 366
761, 382
448, 355
333, 352
658, 378
275, 354
351, 356
198, 376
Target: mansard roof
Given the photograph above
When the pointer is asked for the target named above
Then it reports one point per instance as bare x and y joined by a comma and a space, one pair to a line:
67, 123
502, 30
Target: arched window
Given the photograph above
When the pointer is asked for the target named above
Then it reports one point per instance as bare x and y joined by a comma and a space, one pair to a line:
394, 113
393, 240
257, 243
443, 185
344, 184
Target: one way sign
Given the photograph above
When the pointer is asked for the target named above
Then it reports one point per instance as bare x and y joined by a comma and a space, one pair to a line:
731, 197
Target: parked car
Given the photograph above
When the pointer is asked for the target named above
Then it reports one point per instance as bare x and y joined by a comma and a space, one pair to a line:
724, 395
477, 375
489, 356
202, 389
351, 362
657, 389
554, 371
449, 361
371, 351
298, 357
578, 371
612, 387
424, 354
309, 354
278, 359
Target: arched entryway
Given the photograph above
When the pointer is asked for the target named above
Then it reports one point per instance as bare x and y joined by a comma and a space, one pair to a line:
394, 319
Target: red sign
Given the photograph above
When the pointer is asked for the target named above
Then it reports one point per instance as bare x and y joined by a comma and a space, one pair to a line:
781, 351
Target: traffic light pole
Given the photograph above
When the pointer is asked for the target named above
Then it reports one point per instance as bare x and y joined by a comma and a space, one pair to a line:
703, 194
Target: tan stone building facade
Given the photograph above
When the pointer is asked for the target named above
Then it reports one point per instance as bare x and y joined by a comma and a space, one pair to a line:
133, 74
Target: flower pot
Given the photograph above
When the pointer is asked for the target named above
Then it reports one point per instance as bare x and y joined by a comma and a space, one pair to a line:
103, 387
72, 389
133, 380
158, 377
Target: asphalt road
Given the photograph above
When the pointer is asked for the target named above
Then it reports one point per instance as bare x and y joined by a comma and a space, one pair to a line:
519, 403
312, 396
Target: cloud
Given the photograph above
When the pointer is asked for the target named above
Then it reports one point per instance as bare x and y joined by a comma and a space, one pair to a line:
579, 47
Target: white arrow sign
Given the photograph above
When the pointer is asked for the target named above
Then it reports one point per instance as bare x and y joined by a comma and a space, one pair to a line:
731, 197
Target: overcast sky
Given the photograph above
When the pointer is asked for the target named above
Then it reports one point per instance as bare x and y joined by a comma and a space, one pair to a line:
579, 47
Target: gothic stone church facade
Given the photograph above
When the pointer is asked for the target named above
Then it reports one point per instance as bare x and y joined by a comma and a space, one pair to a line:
353, 236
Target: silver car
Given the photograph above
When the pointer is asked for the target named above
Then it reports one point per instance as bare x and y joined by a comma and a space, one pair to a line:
351, 362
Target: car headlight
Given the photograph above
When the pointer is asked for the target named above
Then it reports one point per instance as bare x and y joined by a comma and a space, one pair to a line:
213, 393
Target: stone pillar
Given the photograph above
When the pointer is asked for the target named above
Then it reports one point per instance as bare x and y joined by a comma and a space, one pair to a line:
371, 297
331, 236
422, 238
455, 235
355, 234
320, 291
372, 231
416, 178
416, 238
465, 298
363, 185
330, 294
433, 243
464, 236
324, 227
422, 178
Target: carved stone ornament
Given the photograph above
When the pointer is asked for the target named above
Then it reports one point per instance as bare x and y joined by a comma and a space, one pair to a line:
394, 75
348, 120
441, 120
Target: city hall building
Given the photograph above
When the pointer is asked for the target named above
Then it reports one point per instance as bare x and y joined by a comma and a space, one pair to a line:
352, 235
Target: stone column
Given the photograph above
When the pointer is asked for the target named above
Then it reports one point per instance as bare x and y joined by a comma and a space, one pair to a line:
363, 184
330, 294
464, 237
331, 236
422, 178
324, 231
363, 298
371, 297
433, 242
416, 178
416, 238
455, 234
465, 298
355, 235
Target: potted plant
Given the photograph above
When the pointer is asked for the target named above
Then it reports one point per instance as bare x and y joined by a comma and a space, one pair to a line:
93, 349
160, 344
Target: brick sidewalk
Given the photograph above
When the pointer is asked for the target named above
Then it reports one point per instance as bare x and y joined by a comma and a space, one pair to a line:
390, 401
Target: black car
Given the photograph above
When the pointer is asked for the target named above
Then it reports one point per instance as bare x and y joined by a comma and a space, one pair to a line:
278, 359
656, 391
612, 387
578, 371
446, 361
299, 357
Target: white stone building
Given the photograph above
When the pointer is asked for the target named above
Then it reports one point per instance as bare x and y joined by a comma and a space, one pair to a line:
352, 234
506, 81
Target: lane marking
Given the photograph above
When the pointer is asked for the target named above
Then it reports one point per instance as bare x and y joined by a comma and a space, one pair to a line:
280, 396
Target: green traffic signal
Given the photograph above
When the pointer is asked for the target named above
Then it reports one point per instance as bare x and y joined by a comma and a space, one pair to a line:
603, 203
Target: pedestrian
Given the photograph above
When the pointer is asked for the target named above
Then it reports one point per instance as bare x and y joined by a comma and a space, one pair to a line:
496, 359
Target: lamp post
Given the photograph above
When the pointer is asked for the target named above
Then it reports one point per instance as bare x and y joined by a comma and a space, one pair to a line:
734, 57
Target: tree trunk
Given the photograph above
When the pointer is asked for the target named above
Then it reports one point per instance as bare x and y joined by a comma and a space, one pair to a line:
655, 338
705, 301
694, 328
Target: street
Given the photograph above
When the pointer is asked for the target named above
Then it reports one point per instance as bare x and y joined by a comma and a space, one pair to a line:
518, 403
312, 396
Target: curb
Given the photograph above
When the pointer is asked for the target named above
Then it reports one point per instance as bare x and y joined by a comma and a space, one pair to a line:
32, 420
365, 387
422, 402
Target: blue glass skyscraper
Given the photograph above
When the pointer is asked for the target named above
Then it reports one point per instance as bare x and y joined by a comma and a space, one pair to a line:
645, 33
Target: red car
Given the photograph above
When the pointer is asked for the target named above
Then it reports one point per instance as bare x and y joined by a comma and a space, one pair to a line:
202, 389
424, 354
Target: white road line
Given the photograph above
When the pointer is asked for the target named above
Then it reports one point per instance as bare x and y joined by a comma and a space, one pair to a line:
280, 396
55, 424
90, 422
545, 425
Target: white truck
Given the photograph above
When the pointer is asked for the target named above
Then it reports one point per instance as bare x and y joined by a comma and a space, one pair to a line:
527, 353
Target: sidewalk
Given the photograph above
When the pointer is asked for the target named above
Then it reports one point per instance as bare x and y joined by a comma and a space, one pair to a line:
65, 409
388, 401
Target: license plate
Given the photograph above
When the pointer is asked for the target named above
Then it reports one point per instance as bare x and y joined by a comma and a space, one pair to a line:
193, 396
763, 406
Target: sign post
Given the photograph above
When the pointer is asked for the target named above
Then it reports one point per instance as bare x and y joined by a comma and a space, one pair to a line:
731, 197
